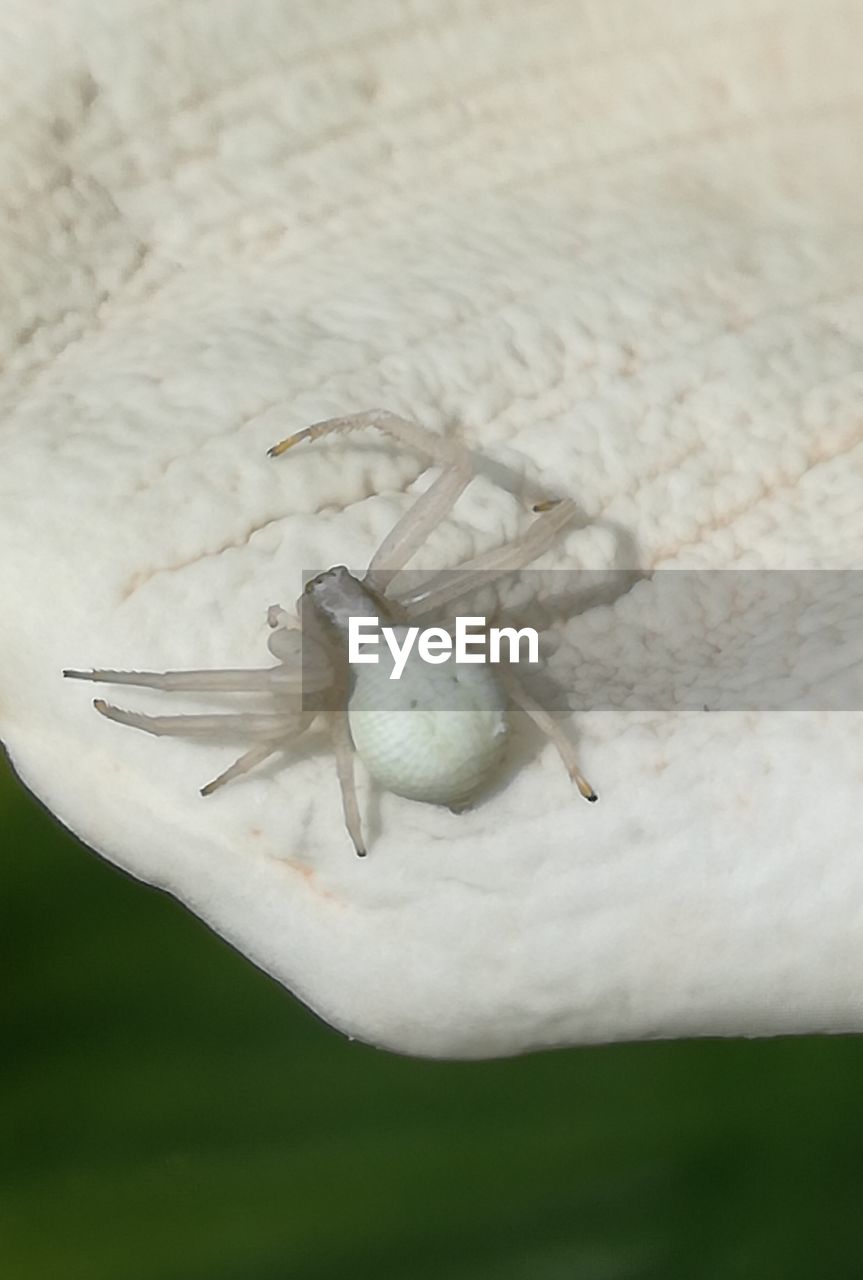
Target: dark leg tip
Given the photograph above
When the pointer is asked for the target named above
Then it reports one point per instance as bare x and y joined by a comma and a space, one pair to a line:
361, 853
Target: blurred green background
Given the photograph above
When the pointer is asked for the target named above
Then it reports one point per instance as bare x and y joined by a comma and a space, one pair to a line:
169, 1113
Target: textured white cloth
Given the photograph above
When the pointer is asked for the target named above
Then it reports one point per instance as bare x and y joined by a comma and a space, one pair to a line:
615, 246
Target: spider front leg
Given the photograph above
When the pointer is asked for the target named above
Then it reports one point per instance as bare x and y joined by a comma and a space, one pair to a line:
272, 729
269, 730
410, 532
255, 724
439, 589
239, 680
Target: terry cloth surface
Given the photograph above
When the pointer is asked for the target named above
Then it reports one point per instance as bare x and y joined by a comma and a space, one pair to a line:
614, 246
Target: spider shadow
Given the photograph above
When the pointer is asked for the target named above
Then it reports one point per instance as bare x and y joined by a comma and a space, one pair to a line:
524, 745
577, 592
526, 742
574, 593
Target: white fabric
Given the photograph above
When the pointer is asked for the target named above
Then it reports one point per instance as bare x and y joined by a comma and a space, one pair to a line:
616, 247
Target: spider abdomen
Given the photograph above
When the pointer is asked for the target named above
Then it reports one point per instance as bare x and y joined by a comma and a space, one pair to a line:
436, 734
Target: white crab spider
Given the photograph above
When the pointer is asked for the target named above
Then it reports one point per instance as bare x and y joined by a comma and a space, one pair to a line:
411, 743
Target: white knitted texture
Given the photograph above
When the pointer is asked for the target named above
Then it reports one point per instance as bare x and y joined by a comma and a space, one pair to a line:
613, 245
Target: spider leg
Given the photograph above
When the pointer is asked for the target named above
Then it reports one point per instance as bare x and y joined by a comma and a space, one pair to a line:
256, 724
254, 756
411, 531
441, 588
344, 749
544, 721
264, 679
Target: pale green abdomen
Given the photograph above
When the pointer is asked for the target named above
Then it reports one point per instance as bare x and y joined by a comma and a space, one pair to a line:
436, 734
